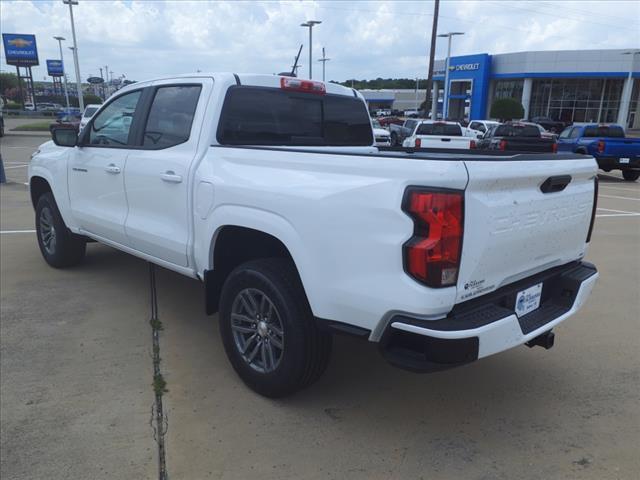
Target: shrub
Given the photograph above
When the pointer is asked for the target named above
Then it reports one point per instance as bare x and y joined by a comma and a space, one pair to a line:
506, 109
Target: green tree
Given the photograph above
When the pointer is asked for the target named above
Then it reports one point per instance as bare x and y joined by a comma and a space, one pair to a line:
506, 109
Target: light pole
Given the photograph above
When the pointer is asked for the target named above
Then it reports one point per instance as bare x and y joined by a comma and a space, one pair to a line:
71, 3
310, 24
324, 61
64, 72
445, 106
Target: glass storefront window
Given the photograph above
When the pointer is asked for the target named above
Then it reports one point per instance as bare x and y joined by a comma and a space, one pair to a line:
508, 89
576, 100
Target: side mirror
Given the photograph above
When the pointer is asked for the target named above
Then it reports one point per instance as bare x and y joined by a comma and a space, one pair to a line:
64, 137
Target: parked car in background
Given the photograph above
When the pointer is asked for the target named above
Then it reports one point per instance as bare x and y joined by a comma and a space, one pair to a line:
49, 107
67, 121
29, 106
607, 143
89, 111
401, 131
553, 126
386, 122
411, 113
439, 134
381, 136
382, 112
543, 132
477, 128
517, 137
427, 255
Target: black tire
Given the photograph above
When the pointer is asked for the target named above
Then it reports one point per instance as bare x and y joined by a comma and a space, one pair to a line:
630, 175
66, 249
306, 350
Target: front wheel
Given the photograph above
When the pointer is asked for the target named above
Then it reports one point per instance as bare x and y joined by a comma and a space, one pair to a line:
268, 330
631, 175
58, 245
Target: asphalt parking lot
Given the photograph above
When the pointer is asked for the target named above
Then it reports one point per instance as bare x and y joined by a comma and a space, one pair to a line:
76, 379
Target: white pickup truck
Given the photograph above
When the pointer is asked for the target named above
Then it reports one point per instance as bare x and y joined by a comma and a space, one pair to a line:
439, 134
269, 191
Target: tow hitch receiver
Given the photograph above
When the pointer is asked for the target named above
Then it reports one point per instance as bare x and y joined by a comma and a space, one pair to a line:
545, 340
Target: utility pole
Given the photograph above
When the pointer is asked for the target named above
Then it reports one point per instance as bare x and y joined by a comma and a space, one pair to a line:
64, 71
310, 25
324, 61
71, 3
432, 57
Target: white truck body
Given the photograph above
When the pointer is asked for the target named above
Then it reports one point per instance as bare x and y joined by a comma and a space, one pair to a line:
338, 211
439, 134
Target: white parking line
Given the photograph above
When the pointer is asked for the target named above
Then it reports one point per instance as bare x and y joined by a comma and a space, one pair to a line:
621, 198
617, 211
618, 215
17, 166
17, 231
618, 188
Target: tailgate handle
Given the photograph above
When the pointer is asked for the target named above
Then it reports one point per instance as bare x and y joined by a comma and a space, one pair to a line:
445, 139
555, 184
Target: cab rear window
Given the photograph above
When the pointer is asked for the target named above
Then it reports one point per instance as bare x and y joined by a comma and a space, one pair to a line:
517, 131
443, 129
604, 131
270, 116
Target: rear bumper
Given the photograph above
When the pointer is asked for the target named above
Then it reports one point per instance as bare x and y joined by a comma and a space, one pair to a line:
612, 163
487, 325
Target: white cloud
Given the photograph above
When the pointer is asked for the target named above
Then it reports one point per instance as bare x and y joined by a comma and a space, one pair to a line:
364, 39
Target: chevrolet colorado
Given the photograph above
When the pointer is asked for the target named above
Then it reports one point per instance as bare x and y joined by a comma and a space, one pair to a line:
269, 190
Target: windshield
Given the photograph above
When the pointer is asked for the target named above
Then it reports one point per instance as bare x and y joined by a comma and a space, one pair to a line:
611, 131
271, 116
445, 129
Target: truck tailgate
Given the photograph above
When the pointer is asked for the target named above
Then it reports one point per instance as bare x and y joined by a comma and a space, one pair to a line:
622, 147
514, 230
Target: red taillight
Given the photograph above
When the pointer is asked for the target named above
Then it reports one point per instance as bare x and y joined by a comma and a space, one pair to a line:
418, 142
472, 144
432, 255
307, 86
554, 148
601, 146
593, 208
503, 145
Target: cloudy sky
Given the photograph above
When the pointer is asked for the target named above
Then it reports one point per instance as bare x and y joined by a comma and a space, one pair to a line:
364, 39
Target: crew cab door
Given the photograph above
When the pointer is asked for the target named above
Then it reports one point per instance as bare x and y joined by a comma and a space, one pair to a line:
157, 176
96, 169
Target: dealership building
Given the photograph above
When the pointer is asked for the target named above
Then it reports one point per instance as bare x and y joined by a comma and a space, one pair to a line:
567, 85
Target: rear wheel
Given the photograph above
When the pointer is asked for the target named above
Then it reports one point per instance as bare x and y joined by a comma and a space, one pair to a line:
268, 330
631, 175
58, 245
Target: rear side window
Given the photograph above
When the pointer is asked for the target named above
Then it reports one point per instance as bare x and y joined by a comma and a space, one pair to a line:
270, 116
171, 115
517, 131
439, 129
604, 131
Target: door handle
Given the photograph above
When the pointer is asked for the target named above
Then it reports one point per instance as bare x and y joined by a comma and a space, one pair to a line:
171, 177
112, 168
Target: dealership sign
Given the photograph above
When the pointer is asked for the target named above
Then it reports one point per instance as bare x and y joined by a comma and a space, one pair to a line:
95, 80
20, 50
465, 67
55, 68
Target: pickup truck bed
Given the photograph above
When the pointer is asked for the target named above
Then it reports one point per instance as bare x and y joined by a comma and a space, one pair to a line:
299, 227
